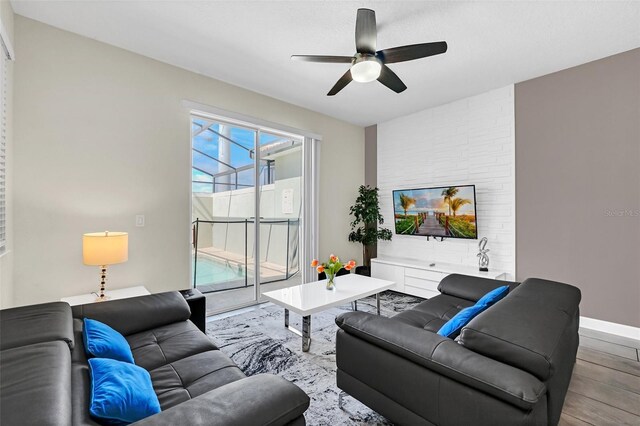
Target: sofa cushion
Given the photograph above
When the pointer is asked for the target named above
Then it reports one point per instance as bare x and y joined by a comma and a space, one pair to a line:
435, 324
526, 328
420, 319
164, 345
102, 341
189, 377
433, 313
142, 313
443, 306
26, 325
35, 385
121, 391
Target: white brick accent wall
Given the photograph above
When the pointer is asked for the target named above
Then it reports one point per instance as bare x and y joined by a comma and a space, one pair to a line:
470, 141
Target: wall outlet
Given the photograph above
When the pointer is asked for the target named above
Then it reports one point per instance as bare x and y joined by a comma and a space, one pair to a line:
140, 220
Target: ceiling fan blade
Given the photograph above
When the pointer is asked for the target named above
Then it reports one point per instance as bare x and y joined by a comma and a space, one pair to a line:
366, 31
411, 52
323, 58
391, 80
341, 84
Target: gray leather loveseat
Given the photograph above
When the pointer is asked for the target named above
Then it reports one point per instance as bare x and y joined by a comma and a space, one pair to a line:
511, 365
44, 374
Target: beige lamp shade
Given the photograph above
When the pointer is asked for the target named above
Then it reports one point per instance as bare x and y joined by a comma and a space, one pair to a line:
105, 248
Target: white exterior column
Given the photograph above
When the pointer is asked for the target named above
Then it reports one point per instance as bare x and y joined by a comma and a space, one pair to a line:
224, 155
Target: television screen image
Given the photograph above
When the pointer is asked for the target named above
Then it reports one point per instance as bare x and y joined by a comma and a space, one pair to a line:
448, 211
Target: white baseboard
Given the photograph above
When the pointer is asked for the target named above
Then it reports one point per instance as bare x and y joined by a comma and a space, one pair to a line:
620, 330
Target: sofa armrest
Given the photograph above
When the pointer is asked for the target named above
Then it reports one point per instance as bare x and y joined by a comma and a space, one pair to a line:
261, 400
445, 357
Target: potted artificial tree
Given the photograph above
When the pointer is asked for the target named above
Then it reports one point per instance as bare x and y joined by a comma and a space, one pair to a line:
364, 227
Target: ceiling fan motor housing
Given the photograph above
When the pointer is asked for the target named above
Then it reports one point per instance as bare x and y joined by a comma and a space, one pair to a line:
365, 68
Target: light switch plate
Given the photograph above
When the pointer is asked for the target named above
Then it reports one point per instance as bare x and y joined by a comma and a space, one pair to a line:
140, 220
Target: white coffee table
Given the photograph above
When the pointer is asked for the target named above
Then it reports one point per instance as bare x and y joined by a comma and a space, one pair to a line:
311, 298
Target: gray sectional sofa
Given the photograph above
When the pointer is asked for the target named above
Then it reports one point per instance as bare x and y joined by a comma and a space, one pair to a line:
511, 365
44, 374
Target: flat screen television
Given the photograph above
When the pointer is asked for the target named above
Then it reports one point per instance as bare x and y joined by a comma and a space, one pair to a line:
443, 211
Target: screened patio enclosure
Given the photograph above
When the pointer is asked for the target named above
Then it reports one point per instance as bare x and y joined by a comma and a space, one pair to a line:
234, 170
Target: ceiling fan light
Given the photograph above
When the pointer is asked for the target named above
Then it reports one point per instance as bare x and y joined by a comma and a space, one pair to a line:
365, 70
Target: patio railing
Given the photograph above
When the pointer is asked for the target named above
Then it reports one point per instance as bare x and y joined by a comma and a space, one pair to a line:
229, 265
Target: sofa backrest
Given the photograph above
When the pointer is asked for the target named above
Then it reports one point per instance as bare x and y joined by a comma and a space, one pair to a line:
136, 314
470, 288
31, 324
534, 328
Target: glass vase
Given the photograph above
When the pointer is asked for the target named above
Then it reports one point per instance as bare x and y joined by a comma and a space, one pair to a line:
330, 281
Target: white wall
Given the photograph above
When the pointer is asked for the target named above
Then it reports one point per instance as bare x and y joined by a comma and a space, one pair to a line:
470, 141
6, 259
101, 135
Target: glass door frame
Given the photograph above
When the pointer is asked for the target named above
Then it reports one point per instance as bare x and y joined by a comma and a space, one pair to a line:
310, 169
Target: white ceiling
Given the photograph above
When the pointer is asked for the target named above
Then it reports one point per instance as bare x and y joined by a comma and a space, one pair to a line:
491, 44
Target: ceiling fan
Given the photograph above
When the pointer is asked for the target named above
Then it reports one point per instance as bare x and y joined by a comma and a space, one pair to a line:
368, 64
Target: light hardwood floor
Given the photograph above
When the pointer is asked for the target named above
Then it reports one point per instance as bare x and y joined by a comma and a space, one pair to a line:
605, 387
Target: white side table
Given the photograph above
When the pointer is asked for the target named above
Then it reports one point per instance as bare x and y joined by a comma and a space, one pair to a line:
121, 293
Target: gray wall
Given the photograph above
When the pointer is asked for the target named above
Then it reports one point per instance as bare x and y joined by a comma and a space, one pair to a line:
578, 183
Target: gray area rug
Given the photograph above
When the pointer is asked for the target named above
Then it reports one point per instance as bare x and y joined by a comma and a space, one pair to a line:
257, 341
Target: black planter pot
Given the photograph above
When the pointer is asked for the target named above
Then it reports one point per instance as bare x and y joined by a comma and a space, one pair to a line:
363, 270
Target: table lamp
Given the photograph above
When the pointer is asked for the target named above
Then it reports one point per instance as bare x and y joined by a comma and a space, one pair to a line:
102, 249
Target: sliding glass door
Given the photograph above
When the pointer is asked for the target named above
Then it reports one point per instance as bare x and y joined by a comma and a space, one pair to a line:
247, 202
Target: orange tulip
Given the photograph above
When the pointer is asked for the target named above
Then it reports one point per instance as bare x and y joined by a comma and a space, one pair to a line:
320, 269
352, 263
314, 263
348, 267
333, 258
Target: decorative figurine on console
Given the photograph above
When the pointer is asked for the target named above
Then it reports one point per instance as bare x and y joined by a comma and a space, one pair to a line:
483, 261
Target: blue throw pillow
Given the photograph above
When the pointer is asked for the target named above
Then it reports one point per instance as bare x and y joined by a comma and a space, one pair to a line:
452, 327
102, 341
493, 296
121, 392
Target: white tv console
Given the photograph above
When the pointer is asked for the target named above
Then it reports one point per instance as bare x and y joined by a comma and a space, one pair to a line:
421, 278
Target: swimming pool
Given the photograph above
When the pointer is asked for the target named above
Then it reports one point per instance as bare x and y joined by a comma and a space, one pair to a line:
211, 271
